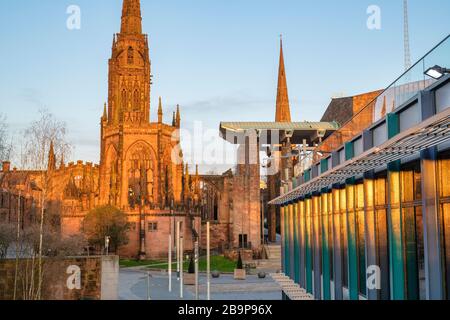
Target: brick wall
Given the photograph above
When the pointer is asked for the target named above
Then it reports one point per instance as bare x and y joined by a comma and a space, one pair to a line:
56, 273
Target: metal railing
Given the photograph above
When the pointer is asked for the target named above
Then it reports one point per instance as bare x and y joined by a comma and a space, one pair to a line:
397, 93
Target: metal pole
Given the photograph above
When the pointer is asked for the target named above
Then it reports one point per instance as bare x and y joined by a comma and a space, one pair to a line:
170, 246
170, 263
181, 267
208, 264
178, 250
196, 267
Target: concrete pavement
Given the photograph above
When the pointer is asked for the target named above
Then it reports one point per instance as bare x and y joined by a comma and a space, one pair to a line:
133, 286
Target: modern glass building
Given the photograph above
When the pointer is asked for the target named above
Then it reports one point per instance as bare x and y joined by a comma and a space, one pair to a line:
370, 218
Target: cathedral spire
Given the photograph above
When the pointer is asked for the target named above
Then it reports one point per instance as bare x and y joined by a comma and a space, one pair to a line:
51, 165
131, 17
174, 120
62, 163
160, 111
178, 118
283, 112
105, 113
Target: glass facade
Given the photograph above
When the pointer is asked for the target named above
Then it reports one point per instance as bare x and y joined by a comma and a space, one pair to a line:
328, 236
376, 225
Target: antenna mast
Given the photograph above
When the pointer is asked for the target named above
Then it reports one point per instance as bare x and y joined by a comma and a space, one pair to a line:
406, 36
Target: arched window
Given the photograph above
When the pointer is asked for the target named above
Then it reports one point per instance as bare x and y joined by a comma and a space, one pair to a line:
124, 99
140, 175
130, 55
136, 100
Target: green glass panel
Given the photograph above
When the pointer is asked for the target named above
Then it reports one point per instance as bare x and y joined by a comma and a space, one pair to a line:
323, 165
349, 151
307, 175
393, 125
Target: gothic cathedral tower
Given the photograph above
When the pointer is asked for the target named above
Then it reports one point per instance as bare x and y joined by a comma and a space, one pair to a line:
137, 168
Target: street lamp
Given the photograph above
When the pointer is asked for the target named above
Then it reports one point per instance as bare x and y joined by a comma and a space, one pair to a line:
436, 72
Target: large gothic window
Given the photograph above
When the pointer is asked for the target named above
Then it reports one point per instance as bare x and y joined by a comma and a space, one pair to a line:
140, 176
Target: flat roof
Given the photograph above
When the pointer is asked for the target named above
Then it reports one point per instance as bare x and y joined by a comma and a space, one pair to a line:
231, 131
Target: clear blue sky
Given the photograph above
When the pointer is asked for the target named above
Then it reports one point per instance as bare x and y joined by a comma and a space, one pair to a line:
217, 58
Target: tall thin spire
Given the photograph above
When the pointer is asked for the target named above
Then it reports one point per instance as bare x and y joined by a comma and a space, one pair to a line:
51, 165
105, 113
283, 111
131, 17
62, 163
160, 111
174, 120
178, 117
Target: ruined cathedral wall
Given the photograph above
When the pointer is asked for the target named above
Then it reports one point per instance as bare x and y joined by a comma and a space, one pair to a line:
157, 241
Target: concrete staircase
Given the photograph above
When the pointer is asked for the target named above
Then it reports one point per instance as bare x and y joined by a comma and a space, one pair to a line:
273, 251
273, 262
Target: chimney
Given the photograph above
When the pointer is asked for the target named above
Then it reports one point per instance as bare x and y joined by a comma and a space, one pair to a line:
6, 166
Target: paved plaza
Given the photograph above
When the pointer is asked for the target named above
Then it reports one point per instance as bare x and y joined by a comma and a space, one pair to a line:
133, 285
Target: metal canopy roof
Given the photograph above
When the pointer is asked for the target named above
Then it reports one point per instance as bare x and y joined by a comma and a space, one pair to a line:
428, 133
230, 131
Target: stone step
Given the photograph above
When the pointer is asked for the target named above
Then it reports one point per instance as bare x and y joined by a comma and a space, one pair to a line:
273, 251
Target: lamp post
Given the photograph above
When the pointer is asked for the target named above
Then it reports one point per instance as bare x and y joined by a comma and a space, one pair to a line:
178, 226
140, 196
196, 267
208, 264
181, 267
107, 239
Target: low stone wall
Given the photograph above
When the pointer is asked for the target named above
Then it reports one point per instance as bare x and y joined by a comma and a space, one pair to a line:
77, 278
233, 254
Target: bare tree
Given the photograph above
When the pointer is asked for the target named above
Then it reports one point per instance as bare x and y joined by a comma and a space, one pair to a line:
5, 142
38, 139
39, 136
